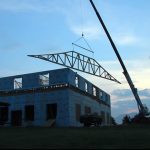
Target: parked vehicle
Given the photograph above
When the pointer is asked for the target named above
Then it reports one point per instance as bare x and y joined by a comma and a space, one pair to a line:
91, 119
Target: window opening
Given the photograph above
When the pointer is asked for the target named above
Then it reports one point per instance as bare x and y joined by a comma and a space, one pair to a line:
77, 81
3, 114
86, 87
101, 94
78, 112
29, 113
44, 79
51, 111
103, 116
94, 91
17, 83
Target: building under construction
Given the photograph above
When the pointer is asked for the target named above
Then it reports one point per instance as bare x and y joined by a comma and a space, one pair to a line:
55, 97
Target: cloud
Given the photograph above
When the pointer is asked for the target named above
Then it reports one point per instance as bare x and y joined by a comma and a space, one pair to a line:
127, 106
92, 31
120, 94
123, 101
126, 39
9, 43
29, 5
137, 68
132, 110
15, 5
124, 107
145, 93
11, 46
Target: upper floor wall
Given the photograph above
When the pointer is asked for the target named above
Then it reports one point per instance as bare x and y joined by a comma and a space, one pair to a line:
52, 77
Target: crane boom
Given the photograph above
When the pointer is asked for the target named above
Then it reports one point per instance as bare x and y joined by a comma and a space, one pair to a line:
142, 109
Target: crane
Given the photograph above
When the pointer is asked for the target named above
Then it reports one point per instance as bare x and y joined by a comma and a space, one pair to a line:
143, 110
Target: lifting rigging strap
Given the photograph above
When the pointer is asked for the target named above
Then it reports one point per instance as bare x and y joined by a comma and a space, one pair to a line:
77, 45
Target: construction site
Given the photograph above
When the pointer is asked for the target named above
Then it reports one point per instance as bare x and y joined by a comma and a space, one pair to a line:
72, 106
60, 97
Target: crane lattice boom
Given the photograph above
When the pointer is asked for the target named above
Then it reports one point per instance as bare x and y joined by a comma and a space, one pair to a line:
142, 109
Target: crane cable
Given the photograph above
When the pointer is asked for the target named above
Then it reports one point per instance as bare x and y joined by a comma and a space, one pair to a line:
77, 45
82, 16
82, 37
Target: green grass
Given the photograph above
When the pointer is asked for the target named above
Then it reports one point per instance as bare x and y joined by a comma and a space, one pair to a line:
136, 137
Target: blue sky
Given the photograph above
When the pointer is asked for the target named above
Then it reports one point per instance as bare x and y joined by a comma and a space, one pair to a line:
48, 26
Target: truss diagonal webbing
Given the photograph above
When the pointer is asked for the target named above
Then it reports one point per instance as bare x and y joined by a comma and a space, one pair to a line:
78, 62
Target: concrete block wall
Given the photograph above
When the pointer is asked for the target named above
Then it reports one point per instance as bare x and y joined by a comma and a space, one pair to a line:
32, 80
96, 107
55, 76
6, 83
40, 100
72, 75
65, 99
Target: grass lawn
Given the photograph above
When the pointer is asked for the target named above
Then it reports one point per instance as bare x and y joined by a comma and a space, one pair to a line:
136, 137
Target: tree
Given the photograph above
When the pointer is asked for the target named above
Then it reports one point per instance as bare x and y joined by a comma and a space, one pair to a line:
113, 122
126, 119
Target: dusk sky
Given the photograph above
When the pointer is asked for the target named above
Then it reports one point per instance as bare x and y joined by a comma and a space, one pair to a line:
49, 26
